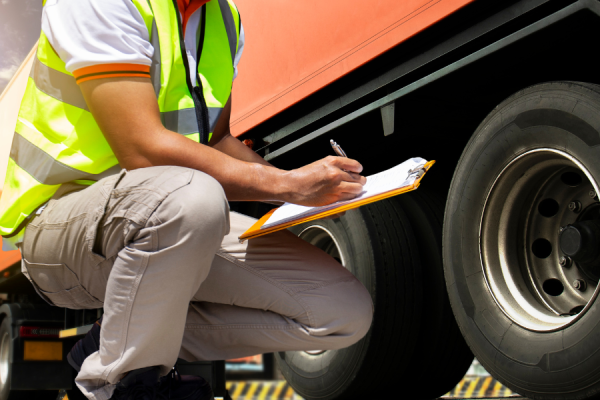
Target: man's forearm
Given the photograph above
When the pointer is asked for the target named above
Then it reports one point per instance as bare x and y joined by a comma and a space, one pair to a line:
244, 176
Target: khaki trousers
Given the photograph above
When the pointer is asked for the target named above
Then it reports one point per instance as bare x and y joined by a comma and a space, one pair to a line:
158, 249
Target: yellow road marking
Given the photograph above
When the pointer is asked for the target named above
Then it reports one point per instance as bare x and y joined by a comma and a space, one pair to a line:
471, 387
253, 387
263, 393
238, 390
484, 386
458, 387
496, 391
289, 393
278, 389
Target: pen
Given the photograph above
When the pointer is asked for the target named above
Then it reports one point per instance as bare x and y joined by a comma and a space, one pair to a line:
338, 150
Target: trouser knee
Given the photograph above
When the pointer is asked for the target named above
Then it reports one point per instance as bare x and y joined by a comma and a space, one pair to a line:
345, 315
197, 209
360, 313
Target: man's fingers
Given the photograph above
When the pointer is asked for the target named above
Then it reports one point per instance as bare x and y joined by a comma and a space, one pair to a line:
347, 196
348, 164
354, 177
351, 188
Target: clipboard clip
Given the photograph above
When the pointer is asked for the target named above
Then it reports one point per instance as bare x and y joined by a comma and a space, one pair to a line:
417, 172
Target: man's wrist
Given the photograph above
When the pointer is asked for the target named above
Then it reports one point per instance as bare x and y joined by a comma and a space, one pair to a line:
282, 185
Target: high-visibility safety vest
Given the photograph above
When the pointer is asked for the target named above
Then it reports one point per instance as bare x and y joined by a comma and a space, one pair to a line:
57, 139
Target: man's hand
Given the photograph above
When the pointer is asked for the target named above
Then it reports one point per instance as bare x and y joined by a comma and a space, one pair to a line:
326, 181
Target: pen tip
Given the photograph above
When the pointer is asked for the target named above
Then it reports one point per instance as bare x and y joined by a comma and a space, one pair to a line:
332, 141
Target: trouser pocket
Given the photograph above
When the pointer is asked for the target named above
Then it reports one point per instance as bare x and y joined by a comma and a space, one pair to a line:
59, 286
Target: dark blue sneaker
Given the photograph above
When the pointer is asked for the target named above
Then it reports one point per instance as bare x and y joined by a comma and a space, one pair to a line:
141, 384
86, 346
185, 387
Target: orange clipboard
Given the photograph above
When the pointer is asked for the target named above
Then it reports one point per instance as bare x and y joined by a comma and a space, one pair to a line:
255, 230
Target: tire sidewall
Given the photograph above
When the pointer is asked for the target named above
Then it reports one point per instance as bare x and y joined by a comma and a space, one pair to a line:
5, 329
562, 116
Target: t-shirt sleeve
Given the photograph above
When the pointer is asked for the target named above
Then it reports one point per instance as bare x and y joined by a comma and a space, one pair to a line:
98, 38
240, 50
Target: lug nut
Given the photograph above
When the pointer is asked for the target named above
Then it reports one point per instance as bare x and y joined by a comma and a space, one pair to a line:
565, 262
592, 194
575, 206
580, 285
562, 228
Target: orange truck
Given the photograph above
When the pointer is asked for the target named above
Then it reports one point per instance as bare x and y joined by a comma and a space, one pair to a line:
497, 254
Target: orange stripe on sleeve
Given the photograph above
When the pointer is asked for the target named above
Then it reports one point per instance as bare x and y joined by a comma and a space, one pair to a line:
91, 77
111, 71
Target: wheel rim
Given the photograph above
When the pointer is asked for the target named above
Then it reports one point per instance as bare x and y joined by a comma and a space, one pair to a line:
520, 247
323, 239
4, 359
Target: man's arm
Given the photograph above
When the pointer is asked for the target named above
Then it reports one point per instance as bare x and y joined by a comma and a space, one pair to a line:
127, 113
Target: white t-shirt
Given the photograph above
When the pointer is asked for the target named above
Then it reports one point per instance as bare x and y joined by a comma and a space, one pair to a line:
107, 34
93, 33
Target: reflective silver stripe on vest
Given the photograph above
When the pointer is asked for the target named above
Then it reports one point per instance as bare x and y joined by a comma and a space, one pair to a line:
184, 121
45, 169
58, 85
180, 121
229, 27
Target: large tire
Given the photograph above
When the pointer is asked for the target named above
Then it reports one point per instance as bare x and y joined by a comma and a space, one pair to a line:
533, 157
5, 358
443, 356
379, 245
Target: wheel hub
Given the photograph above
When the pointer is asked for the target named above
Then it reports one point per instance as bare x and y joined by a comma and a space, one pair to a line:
581, 243
540, 240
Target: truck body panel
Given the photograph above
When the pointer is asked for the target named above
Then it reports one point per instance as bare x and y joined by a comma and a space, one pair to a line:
8, 258
293, 49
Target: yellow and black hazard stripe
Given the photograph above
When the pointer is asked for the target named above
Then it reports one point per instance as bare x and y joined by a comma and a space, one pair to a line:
478, 387
469, 387
261, 390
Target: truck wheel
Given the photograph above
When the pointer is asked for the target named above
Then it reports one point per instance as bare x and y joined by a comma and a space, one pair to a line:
379, 245
522, 241
443, 356
5, 357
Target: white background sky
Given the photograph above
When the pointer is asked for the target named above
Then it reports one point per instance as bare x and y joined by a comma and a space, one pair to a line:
20, 22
